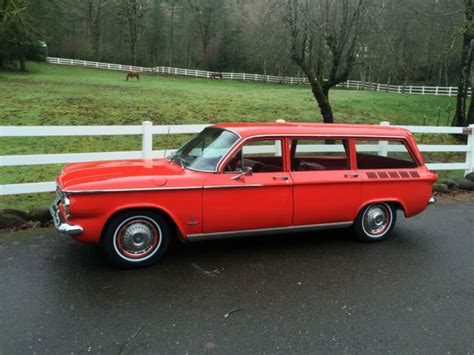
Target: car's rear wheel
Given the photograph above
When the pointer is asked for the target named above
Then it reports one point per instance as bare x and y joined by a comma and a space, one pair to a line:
136, 238
375, 222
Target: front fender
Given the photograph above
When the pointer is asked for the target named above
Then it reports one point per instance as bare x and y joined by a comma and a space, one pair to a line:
92, 211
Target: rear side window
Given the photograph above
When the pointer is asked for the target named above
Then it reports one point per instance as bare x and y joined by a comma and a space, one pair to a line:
383, 154
319, 154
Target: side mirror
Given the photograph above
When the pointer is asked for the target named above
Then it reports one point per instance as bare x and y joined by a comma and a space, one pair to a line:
246, 172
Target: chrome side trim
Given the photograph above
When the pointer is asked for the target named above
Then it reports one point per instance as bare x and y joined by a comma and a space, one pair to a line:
264, 231
232, 186
161, 189
133, 190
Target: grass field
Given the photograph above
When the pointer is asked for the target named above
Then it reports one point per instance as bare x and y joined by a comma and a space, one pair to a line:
58, 95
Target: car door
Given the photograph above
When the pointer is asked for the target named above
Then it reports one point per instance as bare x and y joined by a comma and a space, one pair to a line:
327, 188
234, 201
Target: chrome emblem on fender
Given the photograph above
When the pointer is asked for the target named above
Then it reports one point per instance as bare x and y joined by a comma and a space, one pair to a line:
192, 222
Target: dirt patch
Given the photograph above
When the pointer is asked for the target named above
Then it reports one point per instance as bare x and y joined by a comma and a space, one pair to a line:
455, 196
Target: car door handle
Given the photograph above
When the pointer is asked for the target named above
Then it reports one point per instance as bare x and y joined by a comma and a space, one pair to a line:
284, 178
351, 175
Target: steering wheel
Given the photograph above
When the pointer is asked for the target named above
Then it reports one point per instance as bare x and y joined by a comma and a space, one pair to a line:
232, 165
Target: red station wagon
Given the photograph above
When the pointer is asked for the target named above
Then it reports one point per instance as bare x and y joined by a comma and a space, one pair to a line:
246, 179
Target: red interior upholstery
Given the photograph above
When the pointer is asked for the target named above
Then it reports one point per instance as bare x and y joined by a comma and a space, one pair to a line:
319, 163
370, 161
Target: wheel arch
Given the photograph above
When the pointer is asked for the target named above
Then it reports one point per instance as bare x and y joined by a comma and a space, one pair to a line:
176, 229
398, 204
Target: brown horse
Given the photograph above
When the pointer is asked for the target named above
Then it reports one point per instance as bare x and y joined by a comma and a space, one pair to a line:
216, 75
133, 74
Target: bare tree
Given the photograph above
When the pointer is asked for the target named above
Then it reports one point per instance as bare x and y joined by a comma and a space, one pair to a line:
205, 15
467, 30
95, 13
173, 6
134, 12
324, 43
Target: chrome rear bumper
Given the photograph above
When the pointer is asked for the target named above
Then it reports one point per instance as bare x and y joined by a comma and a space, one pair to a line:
432, 200
60, 224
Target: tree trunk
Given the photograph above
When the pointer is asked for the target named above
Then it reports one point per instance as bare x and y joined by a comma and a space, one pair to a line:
134, 53
322, 97
461, 102
320, 93
470, 114
22, 64
171, 44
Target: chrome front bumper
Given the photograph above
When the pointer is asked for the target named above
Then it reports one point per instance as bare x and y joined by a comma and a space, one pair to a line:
59, 222
432, 200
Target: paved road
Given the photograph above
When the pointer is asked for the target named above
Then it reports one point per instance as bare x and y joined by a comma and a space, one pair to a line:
287, 294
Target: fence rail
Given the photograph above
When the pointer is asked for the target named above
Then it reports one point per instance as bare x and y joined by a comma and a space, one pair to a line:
350, 84
147, 130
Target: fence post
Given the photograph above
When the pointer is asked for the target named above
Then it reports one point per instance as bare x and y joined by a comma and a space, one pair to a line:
383, 145
244, 76
347, 84
436, 91
450, 92
423, 90
470, 149
378, 87
278, 148
147, 139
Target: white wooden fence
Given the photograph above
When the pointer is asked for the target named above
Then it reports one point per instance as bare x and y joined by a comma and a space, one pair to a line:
147, 130
400, 89
351, 84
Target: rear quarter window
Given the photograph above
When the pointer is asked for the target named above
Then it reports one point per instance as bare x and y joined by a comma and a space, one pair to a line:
383, 154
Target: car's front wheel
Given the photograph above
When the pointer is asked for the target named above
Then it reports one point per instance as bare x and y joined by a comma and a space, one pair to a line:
136, 238
375, 222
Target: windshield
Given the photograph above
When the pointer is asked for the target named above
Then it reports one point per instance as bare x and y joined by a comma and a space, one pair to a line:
204, 151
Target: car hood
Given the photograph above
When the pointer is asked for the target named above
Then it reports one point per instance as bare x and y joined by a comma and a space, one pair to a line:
126, 174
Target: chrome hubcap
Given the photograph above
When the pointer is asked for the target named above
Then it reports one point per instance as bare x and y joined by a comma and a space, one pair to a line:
376, 219
137, 238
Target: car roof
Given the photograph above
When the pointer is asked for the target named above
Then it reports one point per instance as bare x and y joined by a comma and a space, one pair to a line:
246, 130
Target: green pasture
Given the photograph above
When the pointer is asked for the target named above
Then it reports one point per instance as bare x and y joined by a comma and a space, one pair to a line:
60, 95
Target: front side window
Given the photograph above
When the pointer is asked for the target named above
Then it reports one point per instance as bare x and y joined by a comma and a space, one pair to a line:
262, 156
383, 154
204, 151
319, 154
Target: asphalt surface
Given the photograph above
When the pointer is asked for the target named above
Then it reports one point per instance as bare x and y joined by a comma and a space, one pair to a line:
312, 292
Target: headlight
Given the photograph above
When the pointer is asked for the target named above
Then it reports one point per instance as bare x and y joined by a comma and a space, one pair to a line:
65, 201
59, 193
67, 207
